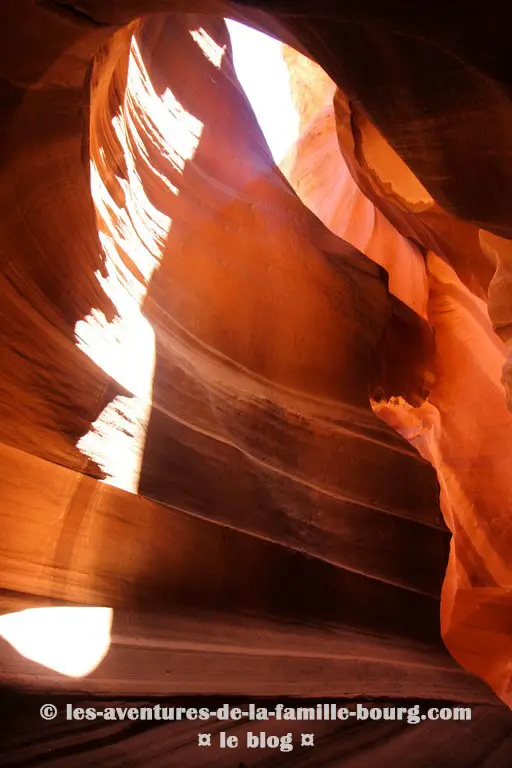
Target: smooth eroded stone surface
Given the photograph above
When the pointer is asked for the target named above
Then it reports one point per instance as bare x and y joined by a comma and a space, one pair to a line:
190, 339
464, 431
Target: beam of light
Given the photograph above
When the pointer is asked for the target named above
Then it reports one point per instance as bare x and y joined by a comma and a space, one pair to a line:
153, 133
210, 48
133, 234
264, 76
71, 641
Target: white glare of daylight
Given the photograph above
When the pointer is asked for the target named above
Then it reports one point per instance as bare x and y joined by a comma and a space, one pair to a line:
264, 76
71, 641
209, 47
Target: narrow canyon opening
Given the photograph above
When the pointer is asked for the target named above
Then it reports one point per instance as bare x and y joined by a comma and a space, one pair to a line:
138, 122
266, 350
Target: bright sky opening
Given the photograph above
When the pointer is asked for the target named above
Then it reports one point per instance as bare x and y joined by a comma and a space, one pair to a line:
264, 76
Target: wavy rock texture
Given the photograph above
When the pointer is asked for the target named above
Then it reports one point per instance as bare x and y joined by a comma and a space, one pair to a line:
179, 324
471, 422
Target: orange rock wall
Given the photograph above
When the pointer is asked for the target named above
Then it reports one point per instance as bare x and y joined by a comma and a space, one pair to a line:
213, 352
464, 428
189, 344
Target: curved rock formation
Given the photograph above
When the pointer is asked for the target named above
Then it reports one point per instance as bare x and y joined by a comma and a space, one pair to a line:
188, 353
456, 422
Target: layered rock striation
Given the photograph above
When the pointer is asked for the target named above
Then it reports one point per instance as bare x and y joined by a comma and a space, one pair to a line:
257, 411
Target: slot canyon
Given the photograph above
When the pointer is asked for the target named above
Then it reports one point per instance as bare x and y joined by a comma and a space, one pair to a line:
255, 410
